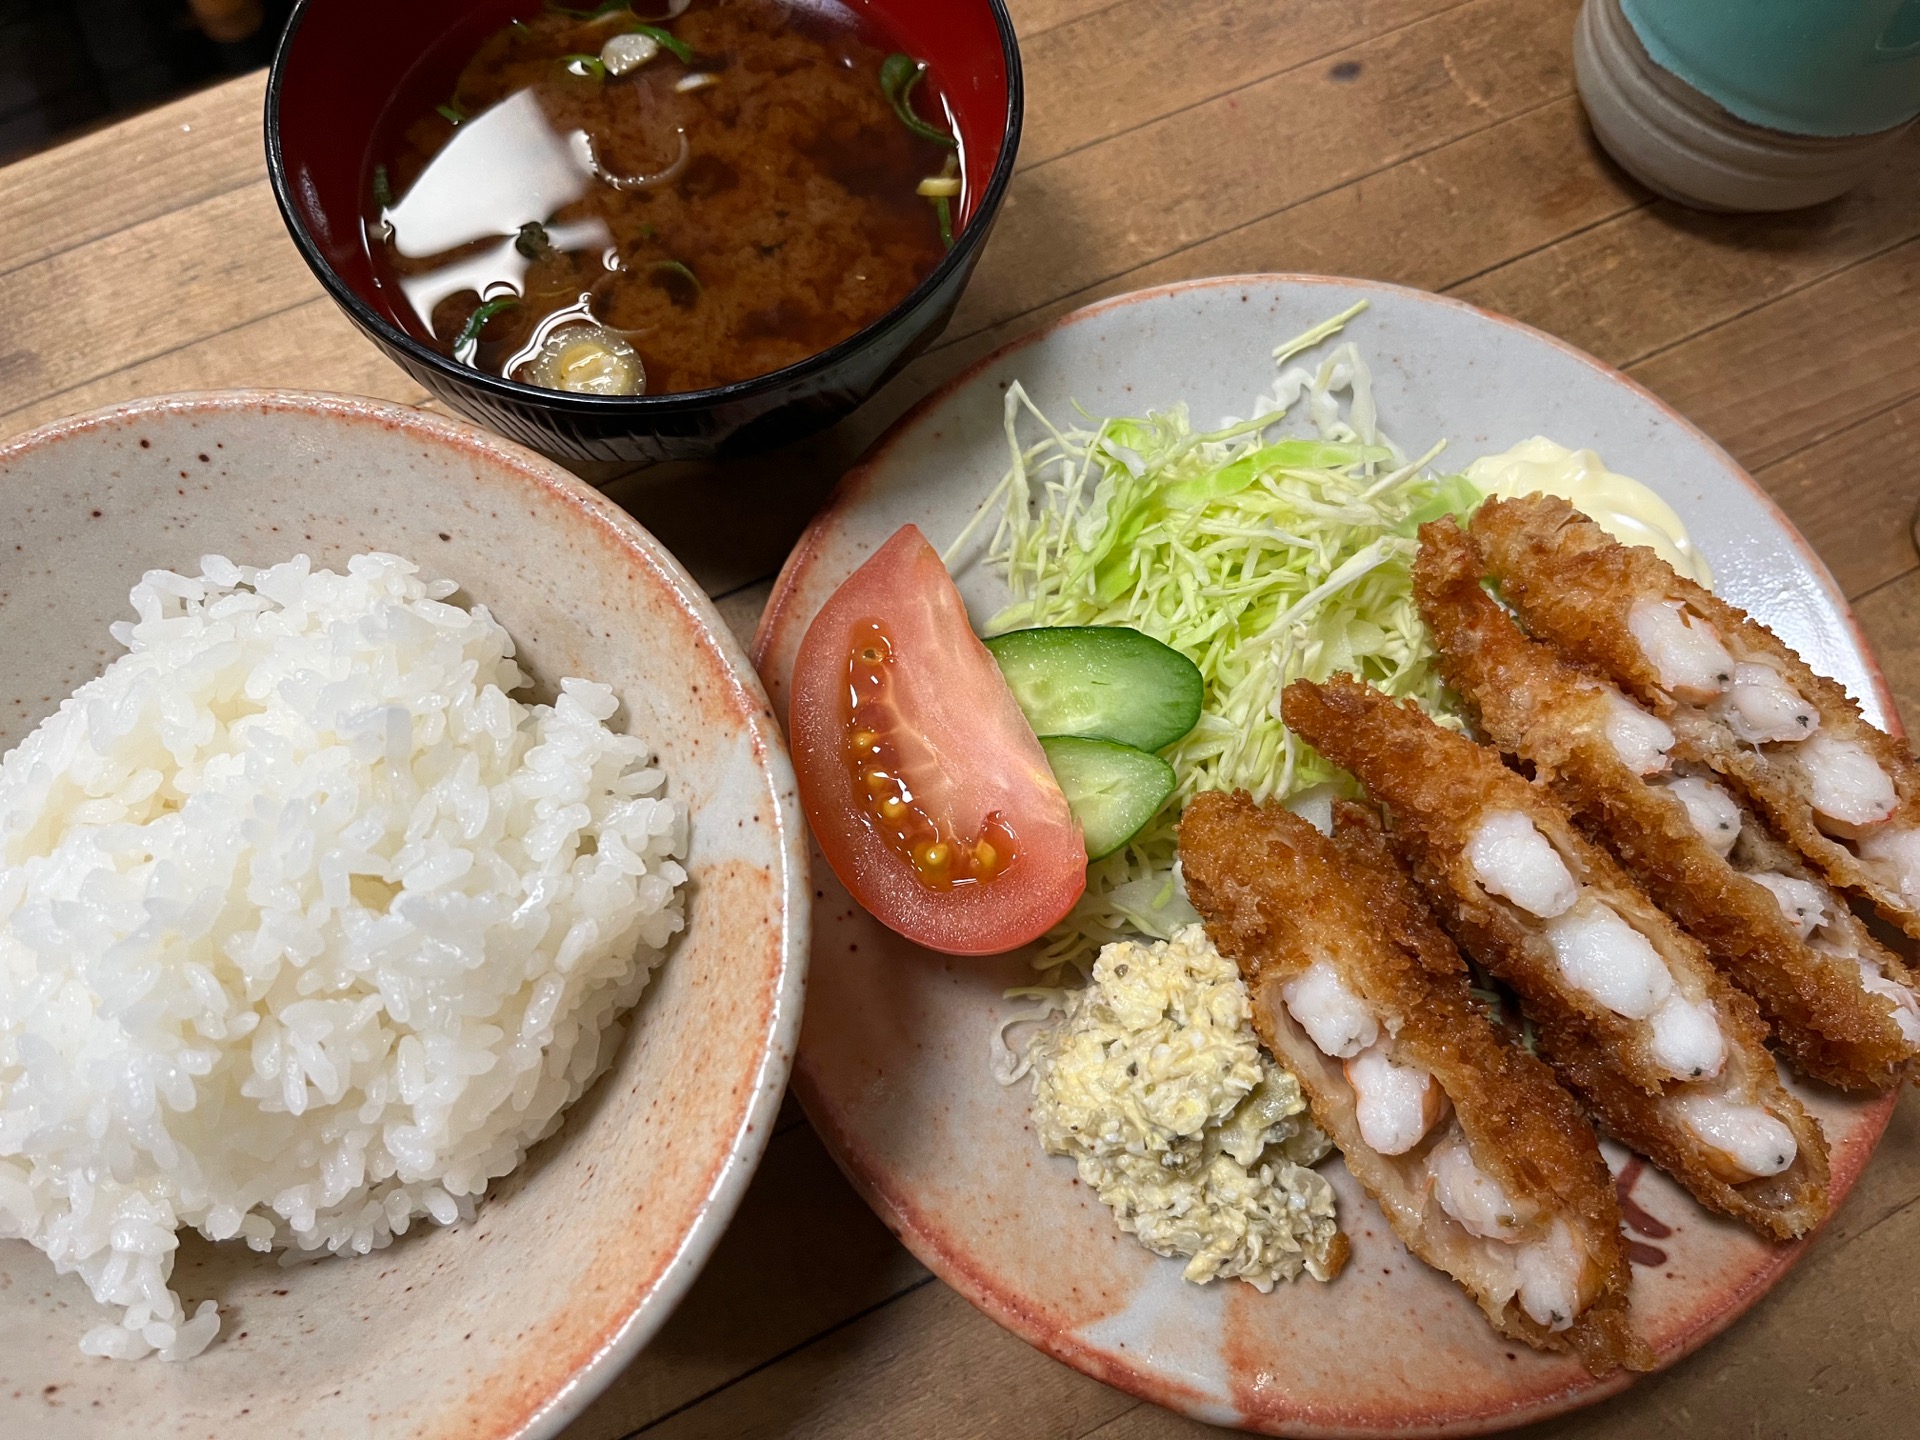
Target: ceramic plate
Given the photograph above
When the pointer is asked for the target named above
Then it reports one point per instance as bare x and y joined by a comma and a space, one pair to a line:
893, 1063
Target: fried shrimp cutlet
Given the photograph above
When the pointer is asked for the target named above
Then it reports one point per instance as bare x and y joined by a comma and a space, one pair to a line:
1665, 1053
1845, 794
1482, 1164
1841, 1007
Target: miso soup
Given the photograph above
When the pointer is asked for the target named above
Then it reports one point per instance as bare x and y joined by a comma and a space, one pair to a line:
625, 202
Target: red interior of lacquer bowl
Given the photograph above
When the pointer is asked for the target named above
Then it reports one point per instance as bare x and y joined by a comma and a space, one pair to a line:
351, 59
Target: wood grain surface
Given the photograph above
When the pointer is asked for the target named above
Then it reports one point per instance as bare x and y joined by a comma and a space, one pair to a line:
1436, 143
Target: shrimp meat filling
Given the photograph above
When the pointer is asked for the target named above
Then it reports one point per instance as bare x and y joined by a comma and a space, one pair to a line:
1906, 1007
1396, 1105
1850, 790
1474, 1198
1335, 1019
1801, 901
1898, 852
1687, 1040
1603, 956
1550, 1273
1684, 650
1713, 811
1639, 739
1752, 1141
1511, 858
1762, 707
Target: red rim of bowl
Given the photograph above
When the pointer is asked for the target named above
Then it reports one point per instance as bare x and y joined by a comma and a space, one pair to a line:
369, 317
1004, 1304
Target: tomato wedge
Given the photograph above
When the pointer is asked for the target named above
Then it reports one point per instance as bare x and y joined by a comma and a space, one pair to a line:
925, 786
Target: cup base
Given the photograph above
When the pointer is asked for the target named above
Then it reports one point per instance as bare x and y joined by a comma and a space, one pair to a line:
1684, 145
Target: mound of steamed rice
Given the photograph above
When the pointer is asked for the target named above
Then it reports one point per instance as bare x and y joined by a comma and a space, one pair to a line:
308, 929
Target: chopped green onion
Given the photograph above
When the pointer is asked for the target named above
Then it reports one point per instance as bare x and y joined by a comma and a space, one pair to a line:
666, 40
452, 111
898, 76
586, 67
382, 188
468, 340
594, 14
681, 284
532, 241
943, 208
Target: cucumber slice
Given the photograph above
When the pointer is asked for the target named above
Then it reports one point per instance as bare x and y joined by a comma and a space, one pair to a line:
1113, 790
1101, 681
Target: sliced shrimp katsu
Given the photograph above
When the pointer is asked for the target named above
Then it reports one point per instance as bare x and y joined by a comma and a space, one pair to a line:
1482, 1164
1845, 794
1841, 1006
1666, 1054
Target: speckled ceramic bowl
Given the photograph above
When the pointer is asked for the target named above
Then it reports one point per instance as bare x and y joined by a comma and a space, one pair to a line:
507, 1326
893, 1066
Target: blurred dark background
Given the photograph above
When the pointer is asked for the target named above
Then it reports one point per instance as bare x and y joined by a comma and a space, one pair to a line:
69, 65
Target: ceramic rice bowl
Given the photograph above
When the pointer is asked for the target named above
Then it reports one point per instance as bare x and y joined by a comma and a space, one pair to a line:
509, 1325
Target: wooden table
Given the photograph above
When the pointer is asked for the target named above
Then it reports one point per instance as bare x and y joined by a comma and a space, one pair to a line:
1436, 143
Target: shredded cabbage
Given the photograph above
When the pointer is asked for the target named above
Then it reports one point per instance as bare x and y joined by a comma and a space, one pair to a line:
1262, 557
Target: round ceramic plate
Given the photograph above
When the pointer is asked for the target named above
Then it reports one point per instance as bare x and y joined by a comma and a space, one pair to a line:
893, 1063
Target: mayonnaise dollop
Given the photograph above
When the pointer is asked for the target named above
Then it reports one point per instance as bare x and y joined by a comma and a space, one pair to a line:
1618, 504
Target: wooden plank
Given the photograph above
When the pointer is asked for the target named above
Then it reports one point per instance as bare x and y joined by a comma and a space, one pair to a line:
1804, 367
168, 158
1033, 18
1853, 495
741, 608
311, 346
1138, 61
1100, 212
928, 1366
1147, 1422
1651, 278
144, 291
1891, 618
1527, 182
803, 1255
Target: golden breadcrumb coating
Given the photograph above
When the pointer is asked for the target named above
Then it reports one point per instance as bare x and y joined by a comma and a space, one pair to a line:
1574, 586
1437, 787
1536, 705
1278, 896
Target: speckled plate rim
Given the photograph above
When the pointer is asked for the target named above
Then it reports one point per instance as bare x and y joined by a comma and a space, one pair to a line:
657, 1293
1001, 1299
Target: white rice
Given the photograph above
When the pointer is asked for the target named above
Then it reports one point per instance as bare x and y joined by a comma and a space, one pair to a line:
307, 928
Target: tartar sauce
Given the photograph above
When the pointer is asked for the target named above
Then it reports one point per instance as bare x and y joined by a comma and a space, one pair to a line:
1623, 507
1154, 1082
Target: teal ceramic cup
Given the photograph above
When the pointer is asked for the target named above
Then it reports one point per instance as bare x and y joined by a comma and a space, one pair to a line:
1749, 104
1807, 67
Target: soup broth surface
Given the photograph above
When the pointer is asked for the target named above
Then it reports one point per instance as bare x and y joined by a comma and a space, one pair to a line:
722, 216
